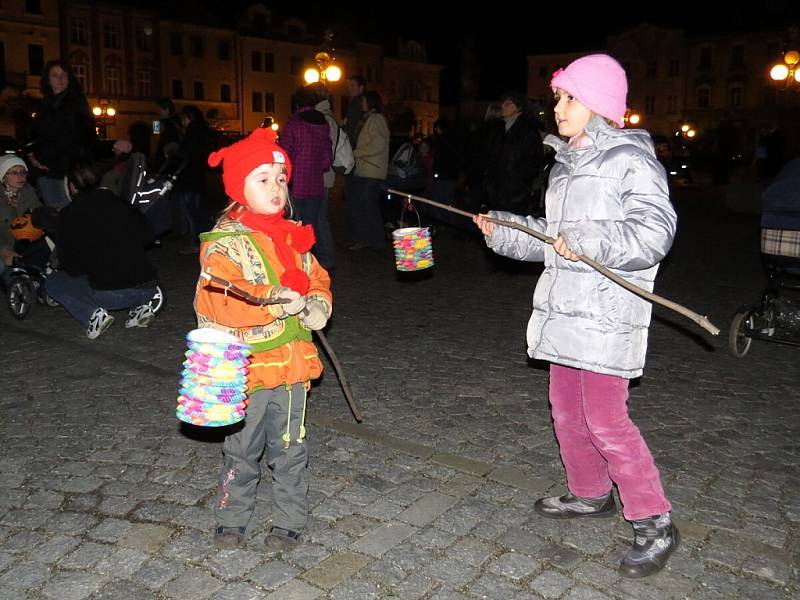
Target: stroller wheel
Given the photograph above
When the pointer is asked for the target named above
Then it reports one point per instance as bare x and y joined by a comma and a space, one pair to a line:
158, 300
738, 340
21, 297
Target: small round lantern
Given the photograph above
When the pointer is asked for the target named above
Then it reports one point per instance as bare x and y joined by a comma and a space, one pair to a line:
213, 387
413, 250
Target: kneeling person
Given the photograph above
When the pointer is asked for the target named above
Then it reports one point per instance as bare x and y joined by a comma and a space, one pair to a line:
101, 248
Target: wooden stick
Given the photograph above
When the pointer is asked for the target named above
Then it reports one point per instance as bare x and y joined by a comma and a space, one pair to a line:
260, 301
701, 320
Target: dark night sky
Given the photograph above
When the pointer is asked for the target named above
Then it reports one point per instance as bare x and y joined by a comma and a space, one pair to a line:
503, 33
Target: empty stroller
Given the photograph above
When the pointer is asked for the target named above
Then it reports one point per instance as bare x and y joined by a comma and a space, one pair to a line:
149, 192
777, 318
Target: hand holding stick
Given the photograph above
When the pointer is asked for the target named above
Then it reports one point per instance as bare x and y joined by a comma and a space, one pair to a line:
701, 320
261, 301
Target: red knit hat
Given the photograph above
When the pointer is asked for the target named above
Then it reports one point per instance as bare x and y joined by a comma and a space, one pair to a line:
258, 148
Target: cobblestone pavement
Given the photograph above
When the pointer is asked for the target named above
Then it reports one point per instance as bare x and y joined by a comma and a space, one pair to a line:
104, 495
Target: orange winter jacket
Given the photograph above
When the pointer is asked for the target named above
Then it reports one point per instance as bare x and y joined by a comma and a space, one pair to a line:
283, 352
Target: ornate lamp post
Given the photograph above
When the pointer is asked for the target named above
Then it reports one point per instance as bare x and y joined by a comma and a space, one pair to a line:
104, 115
687, 130
787, 70
325, 60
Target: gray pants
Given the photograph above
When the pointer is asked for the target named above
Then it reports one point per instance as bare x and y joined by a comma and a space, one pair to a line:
266, 426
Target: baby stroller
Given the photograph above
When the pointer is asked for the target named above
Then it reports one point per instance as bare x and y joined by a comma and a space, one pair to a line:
149, 191
777, 318
24, 279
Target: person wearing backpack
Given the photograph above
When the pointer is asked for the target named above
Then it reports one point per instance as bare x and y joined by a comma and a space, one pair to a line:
343, 163
306, 138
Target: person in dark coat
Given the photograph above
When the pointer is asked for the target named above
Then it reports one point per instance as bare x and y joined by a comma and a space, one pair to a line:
355, 112
101, 249
61, 133
477, 157
169, 131
191, 184
514, 158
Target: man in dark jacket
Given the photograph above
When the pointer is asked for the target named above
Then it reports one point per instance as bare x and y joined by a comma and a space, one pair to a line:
100, 242
190, 187
515, 158
352, 121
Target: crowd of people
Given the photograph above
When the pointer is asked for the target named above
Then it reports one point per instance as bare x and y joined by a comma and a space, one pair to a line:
81, 225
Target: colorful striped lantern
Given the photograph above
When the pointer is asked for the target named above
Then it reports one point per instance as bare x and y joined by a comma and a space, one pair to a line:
213, 386
412, 248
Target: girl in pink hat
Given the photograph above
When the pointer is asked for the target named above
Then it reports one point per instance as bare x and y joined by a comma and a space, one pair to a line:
607, 200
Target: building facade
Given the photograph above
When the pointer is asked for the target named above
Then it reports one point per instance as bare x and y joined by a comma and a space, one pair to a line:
29, 37
126, 58
700, 80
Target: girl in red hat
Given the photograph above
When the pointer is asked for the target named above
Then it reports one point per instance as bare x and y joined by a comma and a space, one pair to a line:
255, 247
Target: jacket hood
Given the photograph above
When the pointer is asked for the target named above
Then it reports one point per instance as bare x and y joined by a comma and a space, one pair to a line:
311, 116
324, 106
604, 137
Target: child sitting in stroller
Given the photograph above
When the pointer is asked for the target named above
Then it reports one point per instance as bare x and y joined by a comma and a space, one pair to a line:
17, 198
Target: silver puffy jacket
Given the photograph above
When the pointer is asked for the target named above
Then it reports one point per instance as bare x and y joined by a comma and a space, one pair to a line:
611, 203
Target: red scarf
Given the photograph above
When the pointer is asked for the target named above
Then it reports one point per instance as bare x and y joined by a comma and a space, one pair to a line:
288, 237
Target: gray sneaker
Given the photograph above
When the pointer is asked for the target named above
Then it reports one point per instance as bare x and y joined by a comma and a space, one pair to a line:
569, 506
141, 316
99, 322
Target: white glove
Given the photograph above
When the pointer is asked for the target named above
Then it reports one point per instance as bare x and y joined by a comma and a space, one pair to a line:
314, 316
294, 302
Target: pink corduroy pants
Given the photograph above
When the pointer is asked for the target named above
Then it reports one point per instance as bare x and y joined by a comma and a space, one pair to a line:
600, 444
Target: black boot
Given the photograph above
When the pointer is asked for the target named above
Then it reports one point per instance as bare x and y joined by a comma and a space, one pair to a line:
655, 540
569, 506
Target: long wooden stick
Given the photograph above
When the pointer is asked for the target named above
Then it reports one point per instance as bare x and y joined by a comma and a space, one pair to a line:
701, 320
260, 301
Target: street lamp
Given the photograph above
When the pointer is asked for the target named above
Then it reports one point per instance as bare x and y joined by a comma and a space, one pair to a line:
326, 69
104, 115
788, 70
325, 60
632, 118
687, 131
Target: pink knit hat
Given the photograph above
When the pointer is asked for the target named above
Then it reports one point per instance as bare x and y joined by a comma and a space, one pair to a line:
598, 82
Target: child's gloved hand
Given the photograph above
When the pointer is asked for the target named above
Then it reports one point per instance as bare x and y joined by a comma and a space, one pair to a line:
314, 316
295, 302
